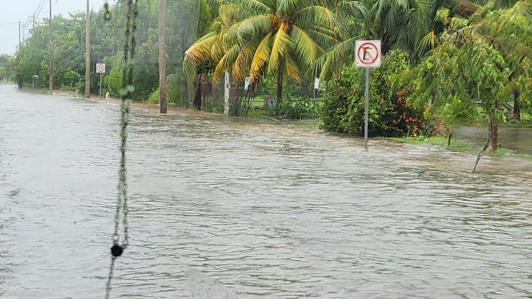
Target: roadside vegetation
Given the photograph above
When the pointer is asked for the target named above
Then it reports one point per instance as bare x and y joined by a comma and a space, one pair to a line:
445, 62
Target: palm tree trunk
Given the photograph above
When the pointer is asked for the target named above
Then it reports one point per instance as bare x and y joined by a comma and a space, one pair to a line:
279, 89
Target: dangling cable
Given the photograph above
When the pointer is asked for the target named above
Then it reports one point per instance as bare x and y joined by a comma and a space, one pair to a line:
127, 89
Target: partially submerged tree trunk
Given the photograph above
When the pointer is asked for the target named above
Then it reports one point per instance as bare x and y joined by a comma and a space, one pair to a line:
517, 108
227, 93
235, 97
450, 130
493, 132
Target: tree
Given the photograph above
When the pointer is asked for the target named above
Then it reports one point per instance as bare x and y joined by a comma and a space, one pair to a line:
209, 50
463, 72
277, 38
6, 65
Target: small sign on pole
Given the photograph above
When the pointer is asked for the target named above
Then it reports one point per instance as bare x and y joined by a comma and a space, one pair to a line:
367, 55
100, 69
247, 82
316, 83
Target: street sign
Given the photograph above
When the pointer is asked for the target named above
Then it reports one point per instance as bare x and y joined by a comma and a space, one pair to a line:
100, 68
246, 83
316, 83
368, 53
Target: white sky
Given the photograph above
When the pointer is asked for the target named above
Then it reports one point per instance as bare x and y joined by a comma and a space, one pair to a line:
13, 11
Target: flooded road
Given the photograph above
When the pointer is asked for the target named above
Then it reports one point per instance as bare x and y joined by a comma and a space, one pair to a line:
247, 209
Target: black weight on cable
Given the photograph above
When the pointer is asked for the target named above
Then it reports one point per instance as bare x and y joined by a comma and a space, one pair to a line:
127, 88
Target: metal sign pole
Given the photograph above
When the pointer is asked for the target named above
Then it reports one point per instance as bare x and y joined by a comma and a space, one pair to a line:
100, 86
367, 55
366, 111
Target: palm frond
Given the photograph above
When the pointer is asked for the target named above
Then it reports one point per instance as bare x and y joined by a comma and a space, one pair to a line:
226, 62
201, 50
261, 57
280, 47
312, 16
304, 47
327, 64
253, 26
322, 39
292, 69
244, 59
258, 6
287, 7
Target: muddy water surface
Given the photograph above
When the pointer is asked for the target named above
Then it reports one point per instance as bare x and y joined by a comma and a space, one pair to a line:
249, 209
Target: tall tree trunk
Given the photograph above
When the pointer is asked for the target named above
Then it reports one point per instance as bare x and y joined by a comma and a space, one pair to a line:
50, 54
227, 94
279, 89
162, 56
88, 52
517, 109
494, 132
235, 97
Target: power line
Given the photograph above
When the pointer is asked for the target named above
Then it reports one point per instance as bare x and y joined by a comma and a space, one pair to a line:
39, 9
9, 23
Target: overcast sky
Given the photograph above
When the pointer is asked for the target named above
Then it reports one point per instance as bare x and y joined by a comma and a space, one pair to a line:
13, 11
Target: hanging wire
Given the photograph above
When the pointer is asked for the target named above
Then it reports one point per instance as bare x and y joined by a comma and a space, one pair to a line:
127, 89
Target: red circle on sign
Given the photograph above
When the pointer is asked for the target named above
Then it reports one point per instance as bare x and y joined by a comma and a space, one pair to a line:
362, 48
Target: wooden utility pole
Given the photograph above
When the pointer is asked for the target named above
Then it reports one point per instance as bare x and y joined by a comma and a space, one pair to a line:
88, 53
162, 55
19, 36
50, 54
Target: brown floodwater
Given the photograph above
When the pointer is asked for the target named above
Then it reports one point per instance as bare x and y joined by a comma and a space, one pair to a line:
236, 208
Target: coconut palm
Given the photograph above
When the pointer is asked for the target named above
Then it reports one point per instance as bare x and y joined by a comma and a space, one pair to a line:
278, 38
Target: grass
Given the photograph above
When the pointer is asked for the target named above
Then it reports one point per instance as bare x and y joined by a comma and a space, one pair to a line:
460, 146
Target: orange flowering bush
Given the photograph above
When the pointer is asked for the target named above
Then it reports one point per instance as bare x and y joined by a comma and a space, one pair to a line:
390, 115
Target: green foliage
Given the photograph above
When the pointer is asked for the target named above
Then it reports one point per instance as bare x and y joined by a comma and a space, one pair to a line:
107, 47
154, 97
299, 107
389, 113
469, 68
6, 67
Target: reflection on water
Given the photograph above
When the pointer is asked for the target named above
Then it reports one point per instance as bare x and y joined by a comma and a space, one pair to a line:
225, 209
517, 139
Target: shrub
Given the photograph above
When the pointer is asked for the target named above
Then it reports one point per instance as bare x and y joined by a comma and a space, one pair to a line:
389, 114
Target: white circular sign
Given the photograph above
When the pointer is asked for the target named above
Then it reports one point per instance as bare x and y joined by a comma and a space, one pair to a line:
368, 53
100, 68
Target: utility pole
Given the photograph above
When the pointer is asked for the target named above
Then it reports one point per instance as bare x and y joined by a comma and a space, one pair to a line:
88, 53
162, 55
19, 36
50, 54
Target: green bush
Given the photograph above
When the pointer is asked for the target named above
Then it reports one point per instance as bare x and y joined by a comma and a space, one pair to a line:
298, 107
154, 97
389, 115
67, 88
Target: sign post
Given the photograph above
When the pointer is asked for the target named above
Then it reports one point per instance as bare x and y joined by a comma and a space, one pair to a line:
367, 55
100, 69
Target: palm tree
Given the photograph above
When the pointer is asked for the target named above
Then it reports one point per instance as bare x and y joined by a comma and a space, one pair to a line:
278, 38
211, 48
